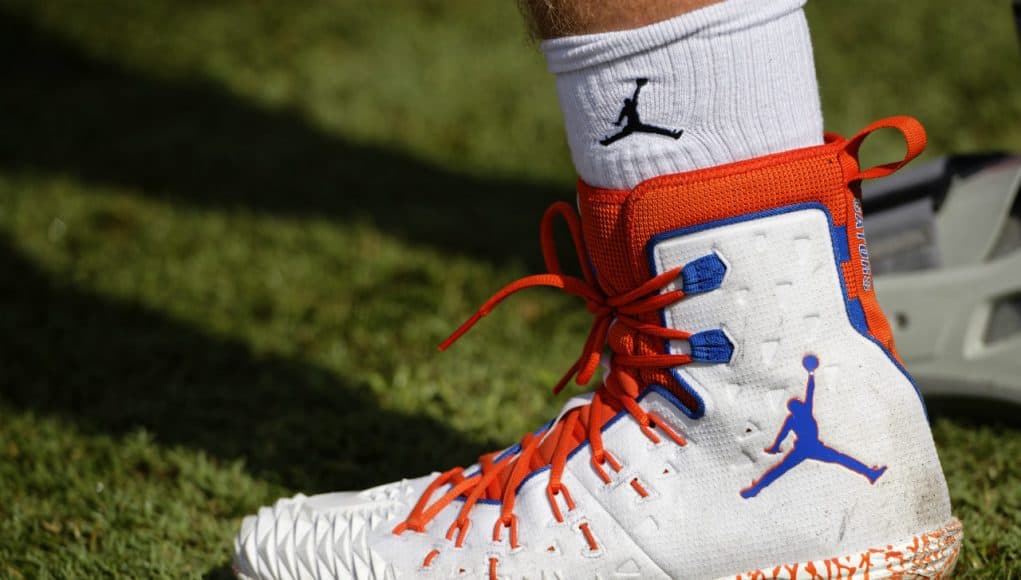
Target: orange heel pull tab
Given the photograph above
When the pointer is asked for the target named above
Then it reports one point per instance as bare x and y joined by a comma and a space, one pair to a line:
914, 137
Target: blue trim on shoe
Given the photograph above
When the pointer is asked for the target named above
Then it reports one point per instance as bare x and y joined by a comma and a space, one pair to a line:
840, 244
856, 313
703, 274
711, 346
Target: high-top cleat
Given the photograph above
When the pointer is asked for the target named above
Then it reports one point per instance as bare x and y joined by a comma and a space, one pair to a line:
753, 421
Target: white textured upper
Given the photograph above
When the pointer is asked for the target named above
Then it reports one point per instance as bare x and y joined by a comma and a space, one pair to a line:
780, 299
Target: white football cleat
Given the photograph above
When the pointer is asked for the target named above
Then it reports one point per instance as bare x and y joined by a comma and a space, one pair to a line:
754, 421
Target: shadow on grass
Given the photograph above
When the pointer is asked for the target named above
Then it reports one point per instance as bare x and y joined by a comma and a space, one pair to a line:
112, 367
191, 142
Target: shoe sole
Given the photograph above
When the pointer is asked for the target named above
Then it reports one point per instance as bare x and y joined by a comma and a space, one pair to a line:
927, 556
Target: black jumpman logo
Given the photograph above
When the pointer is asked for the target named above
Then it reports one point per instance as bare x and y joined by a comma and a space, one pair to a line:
634, 123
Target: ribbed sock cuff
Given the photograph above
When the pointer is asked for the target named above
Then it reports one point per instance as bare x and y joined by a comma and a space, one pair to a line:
728, 82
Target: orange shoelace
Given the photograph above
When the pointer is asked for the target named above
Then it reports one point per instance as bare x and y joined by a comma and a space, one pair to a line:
498, 477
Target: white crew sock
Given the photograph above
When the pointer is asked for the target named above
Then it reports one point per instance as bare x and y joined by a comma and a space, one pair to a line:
738, 79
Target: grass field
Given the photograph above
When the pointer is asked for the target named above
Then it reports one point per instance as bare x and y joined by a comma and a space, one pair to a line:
232, 234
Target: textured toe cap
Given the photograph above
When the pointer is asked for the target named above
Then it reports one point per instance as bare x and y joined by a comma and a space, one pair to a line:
323, 536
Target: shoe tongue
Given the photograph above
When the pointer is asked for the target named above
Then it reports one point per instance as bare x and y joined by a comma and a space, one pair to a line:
617, 225
615, 255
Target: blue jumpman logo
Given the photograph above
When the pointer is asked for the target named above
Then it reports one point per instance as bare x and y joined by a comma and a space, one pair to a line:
801, 421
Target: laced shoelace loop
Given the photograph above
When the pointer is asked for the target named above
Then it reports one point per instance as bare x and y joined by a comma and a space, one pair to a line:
618, 391
510, 522
553, 490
